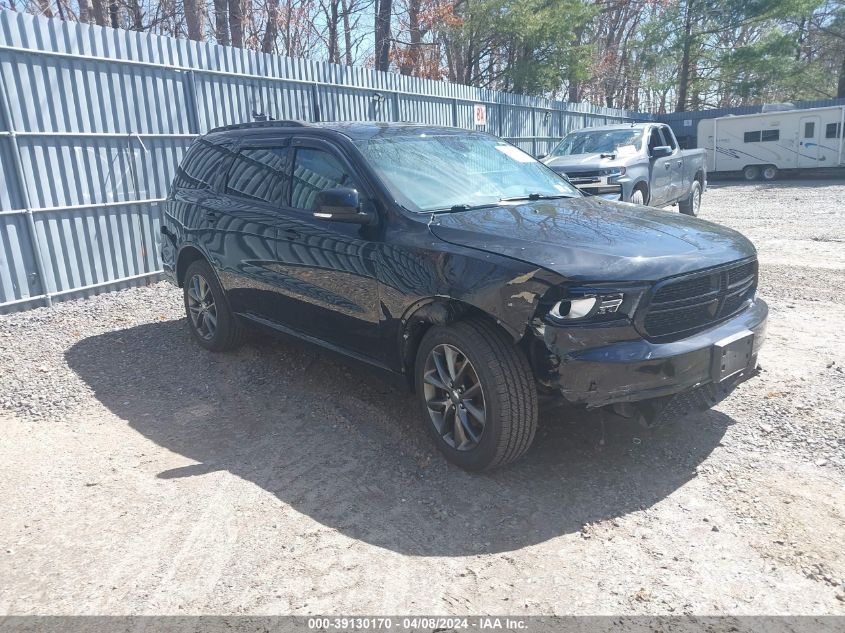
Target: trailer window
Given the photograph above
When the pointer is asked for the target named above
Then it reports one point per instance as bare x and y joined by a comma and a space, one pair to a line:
810, 129
752, 137
832, 130
770, 135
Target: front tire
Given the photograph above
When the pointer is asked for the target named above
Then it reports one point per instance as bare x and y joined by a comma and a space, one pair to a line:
210, 319
692, 205
638, 196
477, 394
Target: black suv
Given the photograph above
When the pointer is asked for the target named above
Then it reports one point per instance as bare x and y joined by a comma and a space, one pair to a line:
455, 259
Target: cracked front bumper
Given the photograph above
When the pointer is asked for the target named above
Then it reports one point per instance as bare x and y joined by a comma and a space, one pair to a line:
602, 365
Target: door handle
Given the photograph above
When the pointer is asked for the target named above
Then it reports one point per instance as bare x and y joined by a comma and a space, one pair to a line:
667, 165
680, 163
211, 215
292, 234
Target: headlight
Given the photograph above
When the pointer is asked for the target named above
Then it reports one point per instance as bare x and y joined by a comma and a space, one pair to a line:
612, 171
582, 304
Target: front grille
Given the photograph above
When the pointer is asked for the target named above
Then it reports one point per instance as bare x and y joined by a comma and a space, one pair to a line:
684, 305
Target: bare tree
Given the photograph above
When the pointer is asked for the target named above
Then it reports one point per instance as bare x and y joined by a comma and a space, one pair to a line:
221, 21
194, 13
384, 11
271, 32
236, 23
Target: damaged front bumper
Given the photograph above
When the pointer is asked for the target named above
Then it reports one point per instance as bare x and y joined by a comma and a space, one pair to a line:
610, 364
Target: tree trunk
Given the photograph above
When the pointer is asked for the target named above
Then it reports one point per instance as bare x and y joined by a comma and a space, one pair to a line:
236, 23
45, 9
193, 19
410, 62
385, 11
683, 79
99, 11
113, 15
137, 16
840, 88
85, 11
347, 33
334, 20
221, 22
268, 45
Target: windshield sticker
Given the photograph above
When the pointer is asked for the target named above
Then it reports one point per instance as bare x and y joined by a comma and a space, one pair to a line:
515, 153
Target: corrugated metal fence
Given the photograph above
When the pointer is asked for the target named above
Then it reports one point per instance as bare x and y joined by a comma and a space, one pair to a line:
94, 121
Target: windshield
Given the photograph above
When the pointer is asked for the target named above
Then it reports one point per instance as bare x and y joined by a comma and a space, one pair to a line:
600, 142
436, 172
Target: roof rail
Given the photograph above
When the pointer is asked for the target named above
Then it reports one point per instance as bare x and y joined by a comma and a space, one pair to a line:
259, 124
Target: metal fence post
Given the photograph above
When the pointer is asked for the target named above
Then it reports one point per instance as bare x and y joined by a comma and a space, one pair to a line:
24, 187
533, 132
397, 113
193, 104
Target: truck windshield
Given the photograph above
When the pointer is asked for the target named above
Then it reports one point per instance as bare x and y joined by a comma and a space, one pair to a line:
441, 172
600, 142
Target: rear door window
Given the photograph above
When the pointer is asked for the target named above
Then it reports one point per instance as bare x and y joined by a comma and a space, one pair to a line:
259, 174
668, 137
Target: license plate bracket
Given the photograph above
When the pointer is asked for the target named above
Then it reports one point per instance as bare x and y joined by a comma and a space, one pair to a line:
731, 355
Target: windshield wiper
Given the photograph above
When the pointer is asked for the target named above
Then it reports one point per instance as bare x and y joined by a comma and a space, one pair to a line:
465, 207
537, 196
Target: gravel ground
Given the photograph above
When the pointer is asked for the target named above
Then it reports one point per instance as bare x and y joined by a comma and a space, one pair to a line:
141, 474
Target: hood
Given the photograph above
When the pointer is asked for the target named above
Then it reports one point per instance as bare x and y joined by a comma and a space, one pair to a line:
585, 162
590, 239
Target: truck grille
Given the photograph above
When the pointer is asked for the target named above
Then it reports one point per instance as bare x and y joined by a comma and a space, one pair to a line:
684, 305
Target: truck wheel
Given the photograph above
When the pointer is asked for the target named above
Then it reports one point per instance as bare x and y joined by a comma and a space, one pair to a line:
770, 172
477, 393
638, 196
210, 318
751, 172
692, 204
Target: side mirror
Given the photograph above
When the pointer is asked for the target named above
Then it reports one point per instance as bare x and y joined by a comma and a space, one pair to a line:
340, 205
661, 151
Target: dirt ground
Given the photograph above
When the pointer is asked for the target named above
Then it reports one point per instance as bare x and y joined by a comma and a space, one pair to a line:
140, 474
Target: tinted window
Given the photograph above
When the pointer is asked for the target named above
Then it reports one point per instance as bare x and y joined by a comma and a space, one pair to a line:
314, 171
831, 130
259, 173
770, 135
669, 137
752, 137
655, 140
809, 129
199, 167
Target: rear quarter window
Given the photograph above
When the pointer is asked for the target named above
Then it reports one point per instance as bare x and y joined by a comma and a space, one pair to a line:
200, 165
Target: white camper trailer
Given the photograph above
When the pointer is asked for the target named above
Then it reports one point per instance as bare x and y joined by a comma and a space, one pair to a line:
760, 145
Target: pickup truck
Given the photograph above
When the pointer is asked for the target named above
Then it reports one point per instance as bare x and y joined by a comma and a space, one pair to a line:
638, 162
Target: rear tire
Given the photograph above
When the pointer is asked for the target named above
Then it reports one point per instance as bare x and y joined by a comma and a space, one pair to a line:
692, 205
210, 318
769, 173
751, 172
477, 394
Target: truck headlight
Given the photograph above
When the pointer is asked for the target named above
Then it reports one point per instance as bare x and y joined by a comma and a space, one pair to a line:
582, 304
612, 171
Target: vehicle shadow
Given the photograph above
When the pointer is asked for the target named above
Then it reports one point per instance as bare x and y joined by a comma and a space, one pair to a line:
350, 451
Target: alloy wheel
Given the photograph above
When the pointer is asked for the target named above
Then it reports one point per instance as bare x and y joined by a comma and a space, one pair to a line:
201, 307
454, 397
